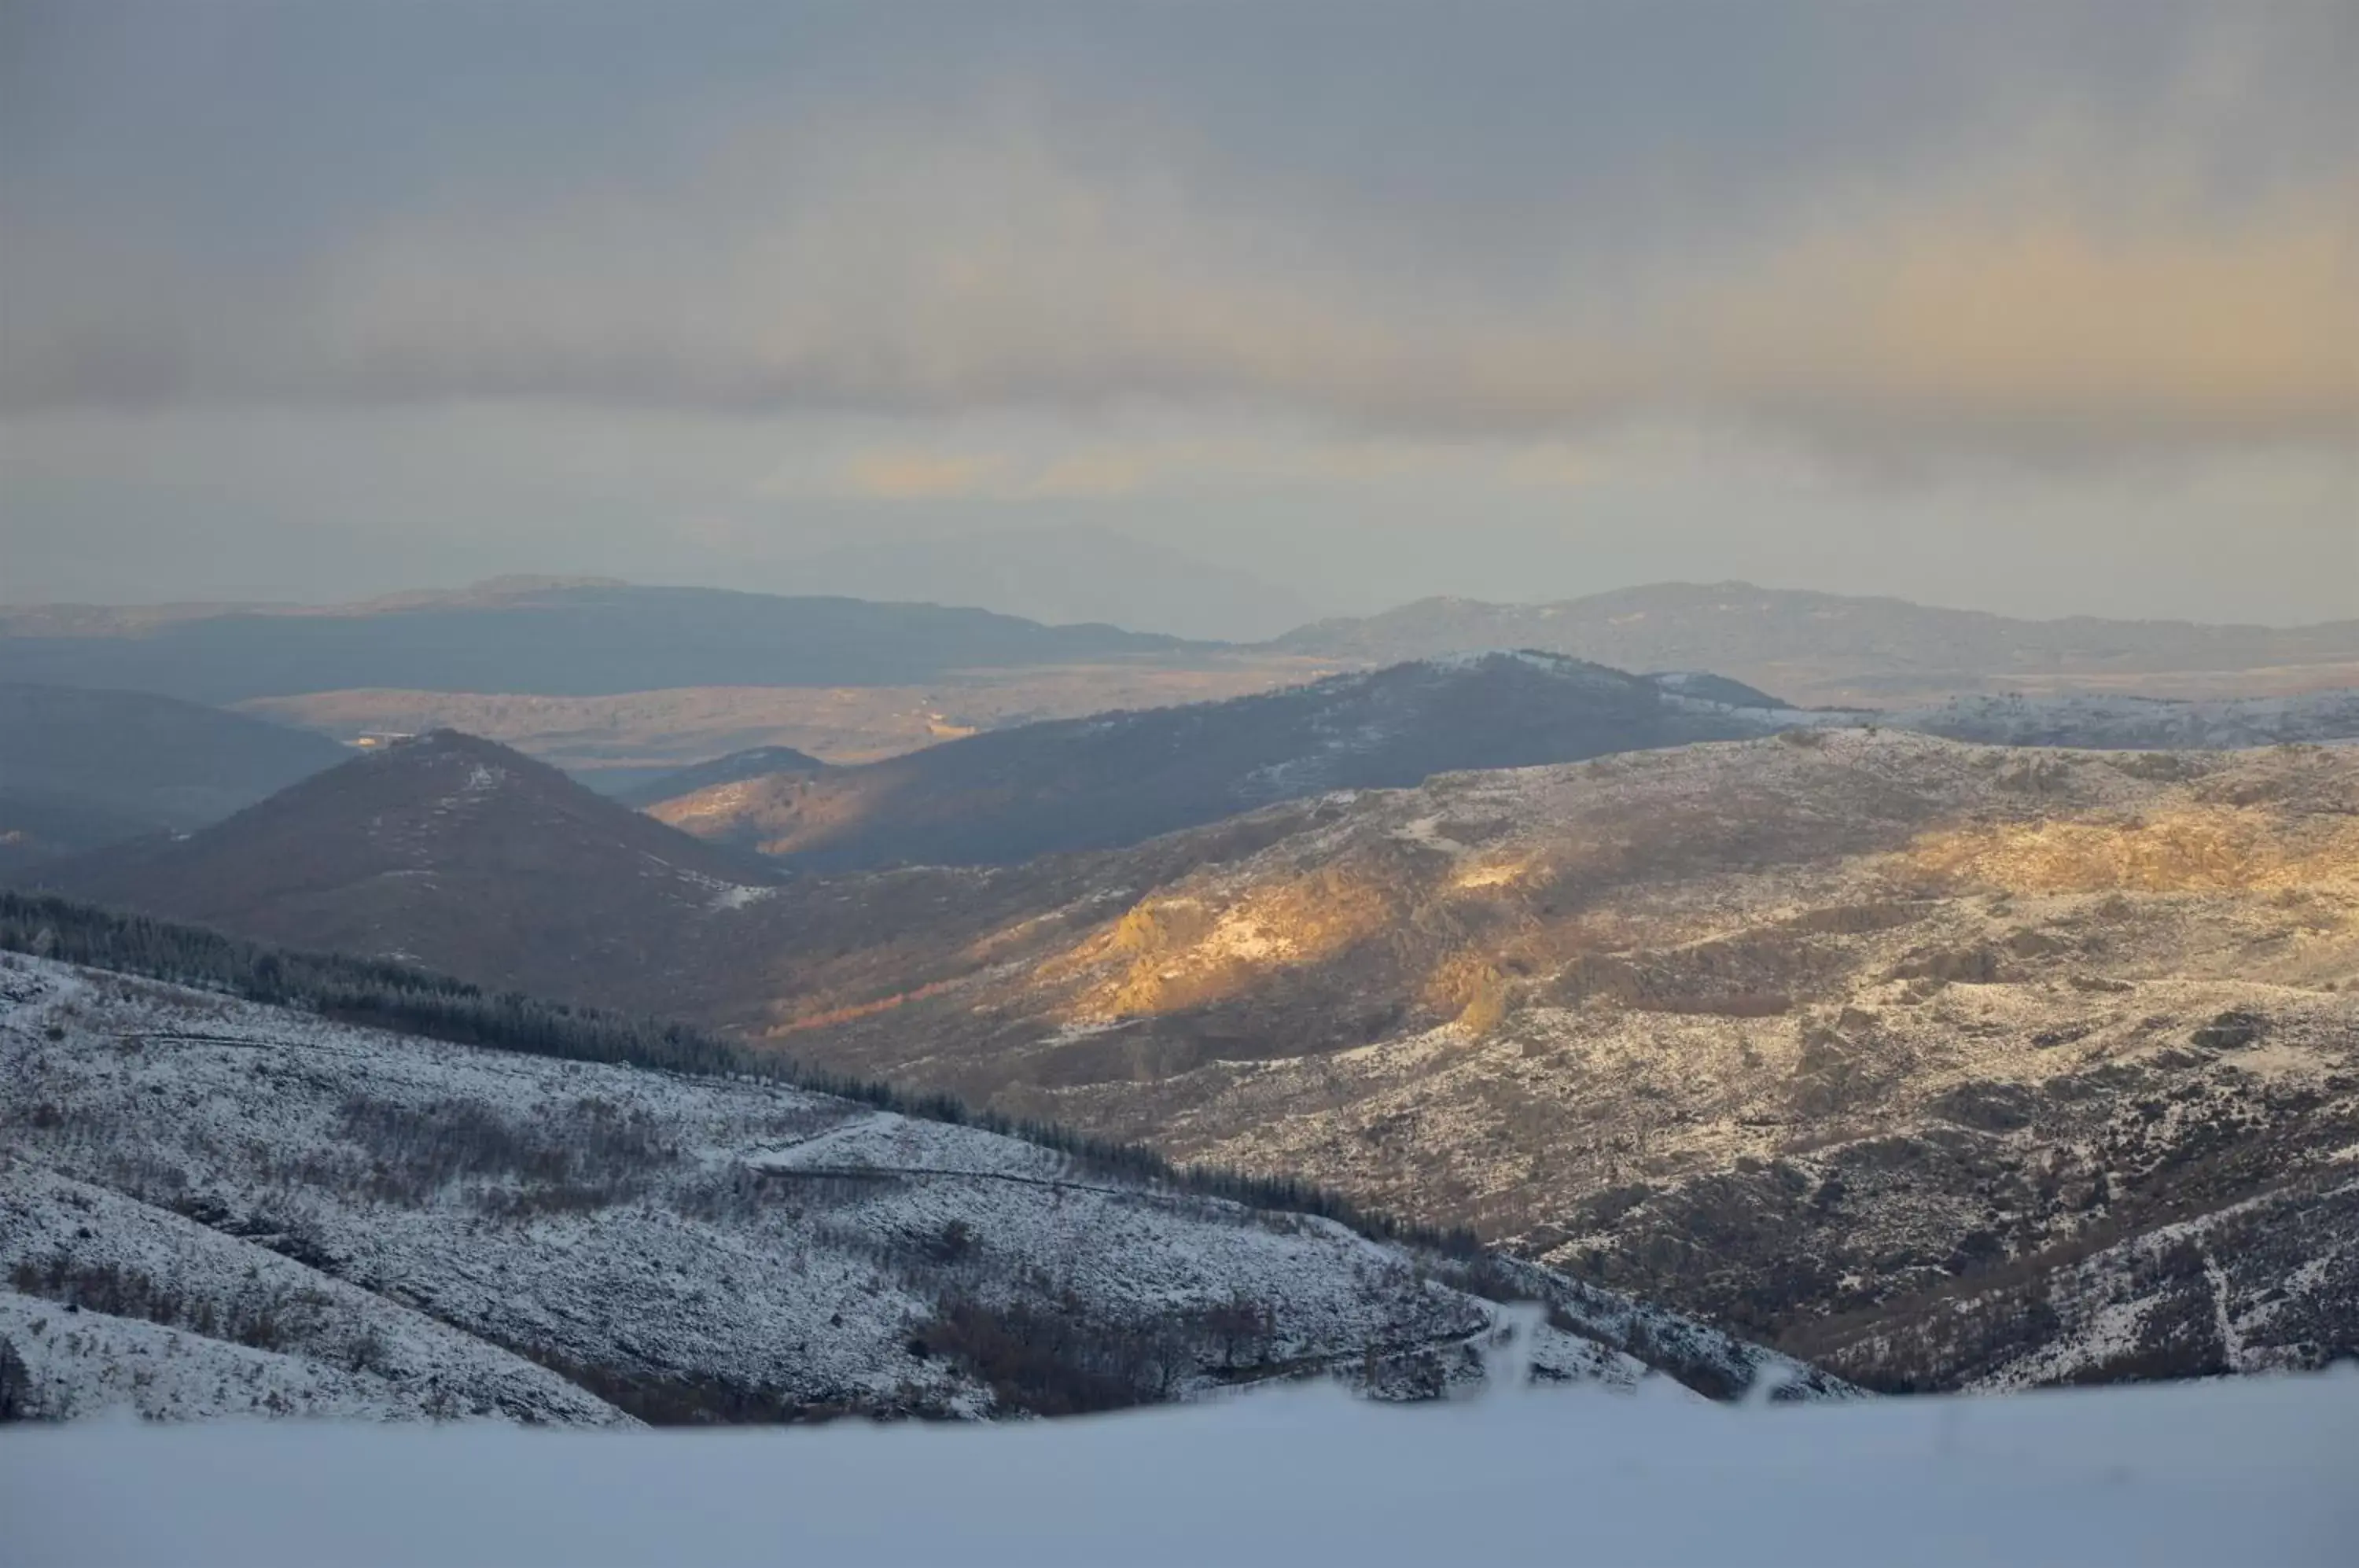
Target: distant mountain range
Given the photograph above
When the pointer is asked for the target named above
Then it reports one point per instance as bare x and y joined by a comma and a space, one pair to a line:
568, 638
1060, 576
1007, 795
581, 638
92, 769
81, 769
1829, 647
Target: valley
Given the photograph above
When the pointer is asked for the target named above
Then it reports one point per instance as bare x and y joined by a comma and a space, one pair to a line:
633, 736
1851, 1038
1992, 1041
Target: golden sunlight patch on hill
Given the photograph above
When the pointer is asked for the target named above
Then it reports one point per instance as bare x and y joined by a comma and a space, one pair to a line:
2181, 849
1496, 873
1184, 952
1469, 985
776, 813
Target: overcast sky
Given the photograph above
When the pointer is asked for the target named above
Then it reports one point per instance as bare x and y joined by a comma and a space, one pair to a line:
2040, 308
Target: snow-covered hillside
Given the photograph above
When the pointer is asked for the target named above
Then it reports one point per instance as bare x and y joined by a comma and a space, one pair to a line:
2094, 722
2143, 724
211, 1207
2208, 1474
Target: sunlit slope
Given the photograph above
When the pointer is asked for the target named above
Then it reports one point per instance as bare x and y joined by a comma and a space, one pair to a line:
1785, 1029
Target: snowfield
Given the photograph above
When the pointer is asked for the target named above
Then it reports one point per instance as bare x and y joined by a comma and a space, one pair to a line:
209, 1207
2245, 1471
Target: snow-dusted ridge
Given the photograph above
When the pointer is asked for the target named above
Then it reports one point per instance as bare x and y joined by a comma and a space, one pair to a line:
2100, 721
214, 1207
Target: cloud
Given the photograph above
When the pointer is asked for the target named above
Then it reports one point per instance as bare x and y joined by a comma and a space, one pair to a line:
1037, 464
2026, 318
906, 475
2091, 279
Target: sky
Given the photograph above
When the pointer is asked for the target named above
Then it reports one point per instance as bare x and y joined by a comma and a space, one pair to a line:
2044, 307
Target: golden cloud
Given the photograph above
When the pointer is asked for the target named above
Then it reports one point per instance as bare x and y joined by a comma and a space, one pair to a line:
926, 272
2031, 314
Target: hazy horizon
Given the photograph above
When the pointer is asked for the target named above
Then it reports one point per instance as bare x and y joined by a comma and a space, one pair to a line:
2042, 309
789, 589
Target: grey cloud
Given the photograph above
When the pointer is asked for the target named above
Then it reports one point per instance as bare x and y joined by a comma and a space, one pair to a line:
2052, 226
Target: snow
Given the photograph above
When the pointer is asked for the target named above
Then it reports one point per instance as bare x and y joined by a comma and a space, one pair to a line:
422, 1213
347, 1351
2103, 721
2243, 1471
2092, 721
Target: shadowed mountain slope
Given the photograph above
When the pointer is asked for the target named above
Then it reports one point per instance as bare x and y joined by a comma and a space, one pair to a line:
450, 851
81, 769
1116, 779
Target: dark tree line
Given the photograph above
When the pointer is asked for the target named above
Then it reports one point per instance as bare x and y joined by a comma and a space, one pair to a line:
380, 994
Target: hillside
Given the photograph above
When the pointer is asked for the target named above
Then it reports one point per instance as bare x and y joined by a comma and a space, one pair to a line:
1797, 1033
209, 1207
450, 851
1116, 779
2107, 723
1902, 1051
560, 638
759, 762
83, 769
1828, 647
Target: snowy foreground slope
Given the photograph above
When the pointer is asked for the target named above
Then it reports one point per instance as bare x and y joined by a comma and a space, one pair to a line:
209, 1207
2247, 1470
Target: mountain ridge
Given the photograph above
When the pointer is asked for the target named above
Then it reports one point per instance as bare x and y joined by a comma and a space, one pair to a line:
1820, 648
1065, 785
571, 639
